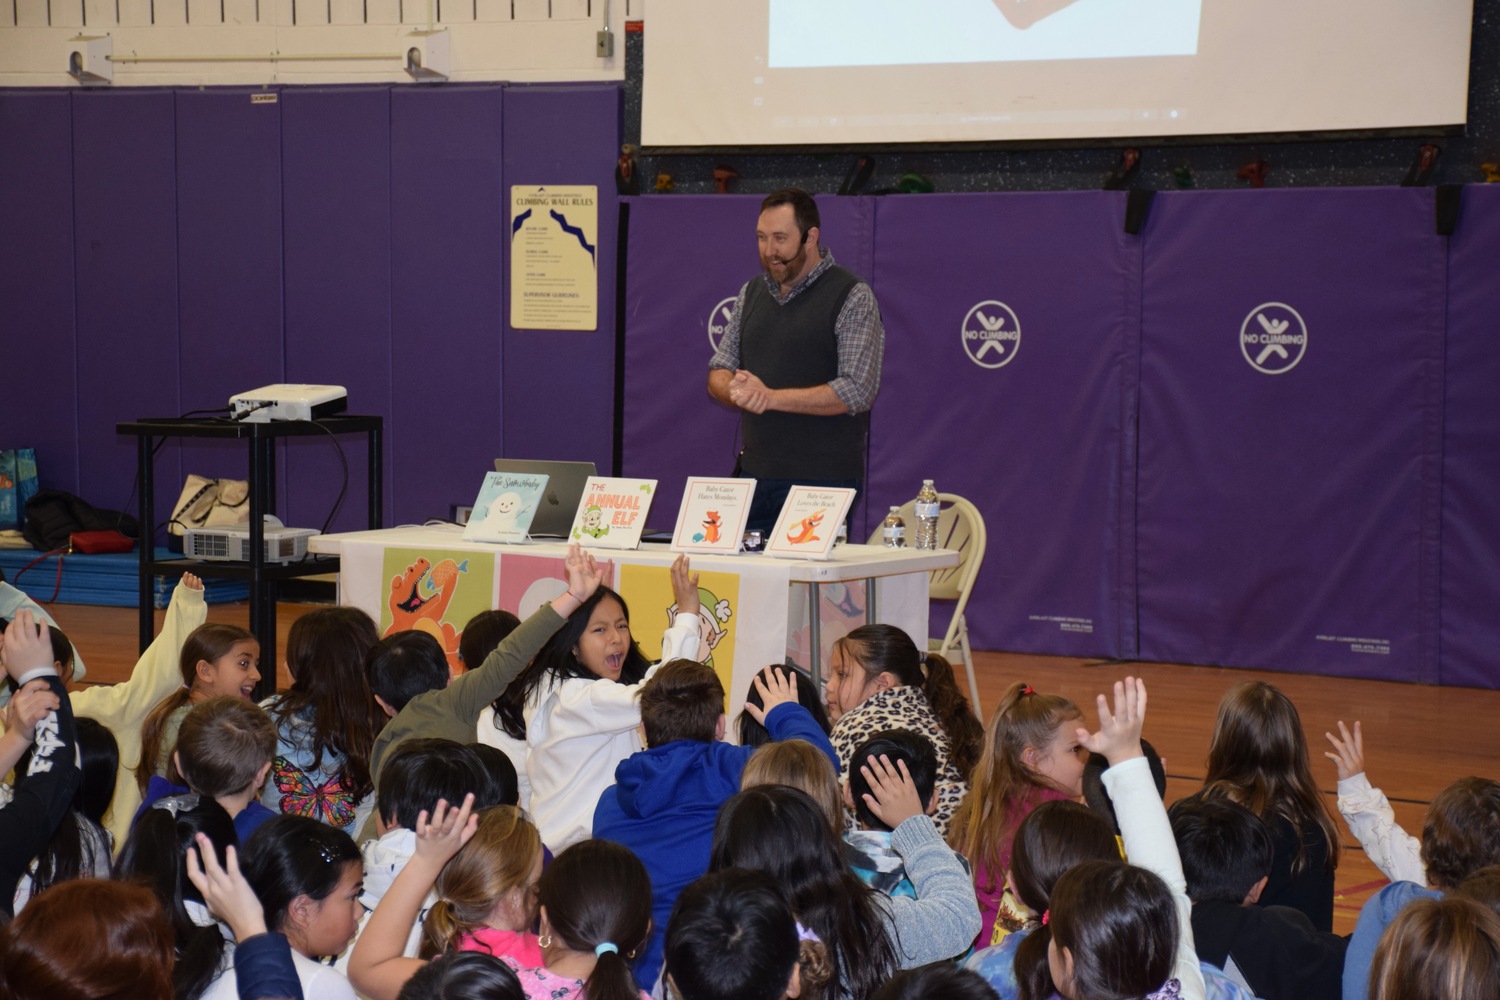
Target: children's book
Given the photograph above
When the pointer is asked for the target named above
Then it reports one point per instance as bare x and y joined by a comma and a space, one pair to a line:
612, 513
713, 515
506, 504
809, 521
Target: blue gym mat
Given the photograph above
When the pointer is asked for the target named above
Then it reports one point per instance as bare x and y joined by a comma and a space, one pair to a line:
109, 580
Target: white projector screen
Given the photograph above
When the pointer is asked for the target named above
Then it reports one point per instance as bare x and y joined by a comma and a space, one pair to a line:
822, 72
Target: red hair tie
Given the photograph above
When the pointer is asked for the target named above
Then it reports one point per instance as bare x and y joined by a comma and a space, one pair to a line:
1028, 689
1046, 917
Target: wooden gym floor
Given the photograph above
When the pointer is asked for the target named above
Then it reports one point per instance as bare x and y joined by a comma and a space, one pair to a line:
1417, 739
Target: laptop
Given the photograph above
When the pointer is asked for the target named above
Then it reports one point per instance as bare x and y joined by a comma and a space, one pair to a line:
565, 483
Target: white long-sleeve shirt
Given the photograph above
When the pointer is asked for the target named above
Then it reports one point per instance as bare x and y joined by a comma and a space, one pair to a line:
577, 732
1371, 819
1149, 844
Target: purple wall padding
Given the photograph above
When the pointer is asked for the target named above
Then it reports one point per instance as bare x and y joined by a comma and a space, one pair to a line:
1034, 440
125, 239
687, 256
40, 401
1284, 520
1471, 459
446, 226
336, 177
229, 264
558, 396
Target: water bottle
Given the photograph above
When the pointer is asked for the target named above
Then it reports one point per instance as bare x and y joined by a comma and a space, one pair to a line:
893, 530
927, 517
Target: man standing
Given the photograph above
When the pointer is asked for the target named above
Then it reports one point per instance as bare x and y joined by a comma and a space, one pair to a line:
801, 359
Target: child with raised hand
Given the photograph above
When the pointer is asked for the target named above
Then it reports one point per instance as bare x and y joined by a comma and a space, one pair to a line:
123, 707
1258, 758
307, 877
487, 892
574, 715
326, 722
1123, 929
1030, 755
217, 661
45, 793
450, 709
877, 681
1371, 819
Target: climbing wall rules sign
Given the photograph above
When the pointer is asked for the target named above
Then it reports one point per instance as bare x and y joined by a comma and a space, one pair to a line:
554, 257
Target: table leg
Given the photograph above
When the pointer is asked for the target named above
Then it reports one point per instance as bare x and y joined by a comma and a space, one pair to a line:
815, 632
146, 611
871, 617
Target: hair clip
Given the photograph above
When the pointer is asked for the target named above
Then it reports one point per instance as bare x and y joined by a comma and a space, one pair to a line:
1046, 917
326, 851
1028, 689
804, 934
176, 804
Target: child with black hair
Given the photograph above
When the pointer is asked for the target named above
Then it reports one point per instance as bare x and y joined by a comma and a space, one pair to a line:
572, 716
939, 981
732, 936
753, 733
463, 975
326, 722
868, 847
156, 856
224, 750
307, 876
418, 775
439, 705
80, 847
482, 634
1274, 952
500, 774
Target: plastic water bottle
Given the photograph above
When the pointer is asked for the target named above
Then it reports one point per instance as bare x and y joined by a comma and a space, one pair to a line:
893, 530
927, 517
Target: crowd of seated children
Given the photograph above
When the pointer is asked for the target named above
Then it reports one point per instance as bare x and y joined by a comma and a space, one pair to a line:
665, 798
701, 870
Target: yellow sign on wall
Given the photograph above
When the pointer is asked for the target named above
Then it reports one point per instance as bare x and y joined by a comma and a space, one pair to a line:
554, 257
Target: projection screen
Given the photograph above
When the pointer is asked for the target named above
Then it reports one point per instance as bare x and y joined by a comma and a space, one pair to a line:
821, 72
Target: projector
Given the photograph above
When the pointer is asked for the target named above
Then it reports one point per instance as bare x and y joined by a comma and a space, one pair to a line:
288, 402
231, 542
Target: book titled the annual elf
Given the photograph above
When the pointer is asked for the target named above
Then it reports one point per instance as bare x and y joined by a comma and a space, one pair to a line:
612, 513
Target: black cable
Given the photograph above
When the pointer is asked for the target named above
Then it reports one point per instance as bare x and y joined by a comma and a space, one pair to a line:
344, 461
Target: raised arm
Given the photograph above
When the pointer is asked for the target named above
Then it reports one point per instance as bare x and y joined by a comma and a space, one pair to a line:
378, 968
470, 693
1142, 816
943, 918
784, 717
1371, 819
13, 600
44, 796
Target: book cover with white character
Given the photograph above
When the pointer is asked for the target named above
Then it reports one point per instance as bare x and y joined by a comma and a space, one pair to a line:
612, 513
713, 515
504, 508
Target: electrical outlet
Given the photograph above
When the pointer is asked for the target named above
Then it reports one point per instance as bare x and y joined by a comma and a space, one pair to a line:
604, 44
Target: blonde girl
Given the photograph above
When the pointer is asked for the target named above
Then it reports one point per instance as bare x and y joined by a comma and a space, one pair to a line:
800, 765
217, 660
487, 893
1031, 755
1258, 758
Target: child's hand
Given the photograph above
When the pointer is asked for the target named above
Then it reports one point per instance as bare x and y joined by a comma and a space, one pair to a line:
776, 688
191, 582
27, 707
1119, 735
449, 830
684, 586
1350, 757
28, 644
228, 895
584, 575
893, 795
